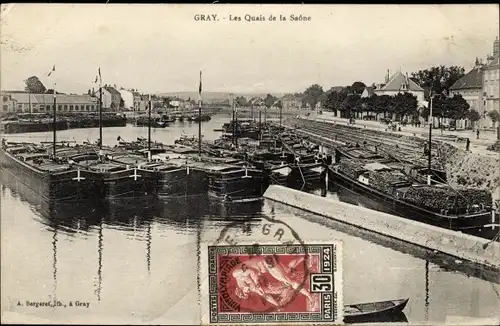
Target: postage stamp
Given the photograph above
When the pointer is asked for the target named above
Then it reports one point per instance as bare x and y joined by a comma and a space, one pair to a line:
276, 282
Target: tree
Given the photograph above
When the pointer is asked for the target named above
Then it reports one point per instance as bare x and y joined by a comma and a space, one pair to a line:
312, 95
269, 100
454, 108
279, 104
331, 102
438, 79
51, 91
122, 103
494, 116
350, 104
382, 104
457, 107
473, 116
358, 87
34, 85
241, 101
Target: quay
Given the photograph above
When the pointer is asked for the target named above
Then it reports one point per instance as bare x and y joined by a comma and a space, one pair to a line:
456, 244
25, 123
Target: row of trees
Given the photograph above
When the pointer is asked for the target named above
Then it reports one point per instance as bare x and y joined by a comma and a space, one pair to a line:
403, 105
434, 80
268, 101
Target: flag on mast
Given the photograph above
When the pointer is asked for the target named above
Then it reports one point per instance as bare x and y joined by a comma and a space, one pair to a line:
199, 90
53, 69
98, 77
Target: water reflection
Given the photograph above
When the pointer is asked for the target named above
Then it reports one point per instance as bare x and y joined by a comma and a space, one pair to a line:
134, 255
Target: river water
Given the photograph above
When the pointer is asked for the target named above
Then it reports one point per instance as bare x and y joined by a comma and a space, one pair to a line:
136, 261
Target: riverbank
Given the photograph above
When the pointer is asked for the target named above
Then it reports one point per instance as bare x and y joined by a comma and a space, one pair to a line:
476, 168
456, 244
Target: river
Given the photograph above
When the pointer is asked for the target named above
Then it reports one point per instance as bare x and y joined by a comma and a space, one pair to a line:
136, 261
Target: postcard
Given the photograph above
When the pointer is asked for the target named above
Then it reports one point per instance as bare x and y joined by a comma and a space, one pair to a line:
256, 164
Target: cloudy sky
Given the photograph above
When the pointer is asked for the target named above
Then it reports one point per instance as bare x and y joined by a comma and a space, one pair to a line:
162, 48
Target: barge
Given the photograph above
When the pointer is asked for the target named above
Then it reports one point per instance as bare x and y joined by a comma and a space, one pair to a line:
400, 187
51, 178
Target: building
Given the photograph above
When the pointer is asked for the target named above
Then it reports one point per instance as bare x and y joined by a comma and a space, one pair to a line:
491, 84
470, 87
400, 83
8, 103
137, 101
24, 102
111, 98
128, 99
291, 102
369, 91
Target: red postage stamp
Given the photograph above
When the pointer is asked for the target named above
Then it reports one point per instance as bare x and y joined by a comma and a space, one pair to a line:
273, 284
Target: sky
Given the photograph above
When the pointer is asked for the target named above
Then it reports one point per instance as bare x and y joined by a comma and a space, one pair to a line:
162, 48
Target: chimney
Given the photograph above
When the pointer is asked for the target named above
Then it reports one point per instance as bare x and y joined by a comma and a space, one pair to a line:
478, 64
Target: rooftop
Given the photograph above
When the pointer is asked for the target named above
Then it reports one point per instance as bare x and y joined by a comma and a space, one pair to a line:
397, 79
473, 79
112, 90
49, 98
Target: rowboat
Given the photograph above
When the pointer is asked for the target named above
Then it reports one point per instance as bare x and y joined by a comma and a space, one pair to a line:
373, 311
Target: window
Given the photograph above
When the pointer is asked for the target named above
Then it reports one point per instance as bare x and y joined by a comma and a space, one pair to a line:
77, 108
5, 98
71, 107
93, 107
59, 107
87, 107
20, 107
65, 107
5, 107
48, 107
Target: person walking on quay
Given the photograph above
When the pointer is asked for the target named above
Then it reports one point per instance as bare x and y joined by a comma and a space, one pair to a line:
467, 144
477, 133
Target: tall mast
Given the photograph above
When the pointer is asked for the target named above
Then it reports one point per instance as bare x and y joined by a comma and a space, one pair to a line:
29, 102
54, 121
281, 114
260, 121
236, 123
100, 114
430, 141
199, 118
233, 120
149, 129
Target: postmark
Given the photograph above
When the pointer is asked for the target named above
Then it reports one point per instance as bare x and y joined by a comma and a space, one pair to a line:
270, 276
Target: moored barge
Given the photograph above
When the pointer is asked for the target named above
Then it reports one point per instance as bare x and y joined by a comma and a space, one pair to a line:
398, 186
51, 178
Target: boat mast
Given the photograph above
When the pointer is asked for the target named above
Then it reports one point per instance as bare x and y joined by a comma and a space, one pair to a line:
233, 121
149, 129
236, 123
281, 114
54, 121
199, 118
430, 142
100, 112
260, 121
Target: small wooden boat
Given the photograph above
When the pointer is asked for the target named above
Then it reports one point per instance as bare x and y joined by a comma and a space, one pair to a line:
373, 310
